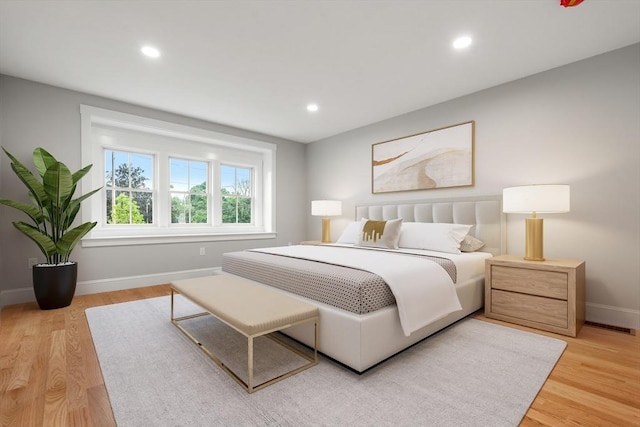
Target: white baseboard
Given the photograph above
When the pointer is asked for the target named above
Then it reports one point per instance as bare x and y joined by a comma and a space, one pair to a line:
21, 295
598, 313
613, 316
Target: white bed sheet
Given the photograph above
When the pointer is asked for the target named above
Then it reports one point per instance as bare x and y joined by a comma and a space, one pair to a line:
469, 265
419, 303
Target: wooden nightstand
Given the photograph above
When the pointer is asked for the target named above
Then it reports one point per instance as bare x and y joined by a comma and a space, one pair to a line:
547, 295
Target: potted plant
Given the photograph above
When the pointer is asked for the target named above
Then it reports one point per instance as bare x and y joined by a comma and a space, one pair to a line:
52, 213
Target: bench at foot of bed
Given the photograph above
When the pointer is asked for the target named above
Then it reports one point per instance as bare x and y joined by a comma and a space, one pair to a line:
251, 310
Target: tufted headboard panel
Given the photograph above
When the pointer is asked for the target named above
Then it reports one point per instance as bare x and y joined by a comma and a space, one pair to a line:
484, 213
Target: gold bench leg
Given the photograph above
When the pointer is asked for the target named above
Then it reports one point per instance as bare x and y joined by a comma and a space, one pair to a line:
249, 385
250, 363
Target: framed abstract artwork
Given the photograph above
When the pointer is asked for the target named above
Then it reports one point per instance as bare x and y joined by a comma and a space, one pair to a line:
438, 158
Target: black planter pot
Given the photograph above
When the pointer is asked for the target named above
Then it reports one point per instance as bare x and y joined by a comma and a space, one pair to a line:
54, 285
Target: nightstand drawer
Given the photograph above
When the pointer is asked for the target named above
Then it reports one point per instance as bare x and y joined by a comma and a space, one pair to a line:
552, 284
529, 307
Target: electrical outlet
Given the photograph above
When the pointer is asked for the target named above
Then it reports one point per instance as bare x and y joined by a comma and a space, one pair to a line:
32, 262
201, 251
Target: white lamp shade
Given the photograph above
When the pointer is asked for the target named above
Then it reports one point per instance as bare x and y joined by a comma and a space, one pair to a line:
326, 208
536, 198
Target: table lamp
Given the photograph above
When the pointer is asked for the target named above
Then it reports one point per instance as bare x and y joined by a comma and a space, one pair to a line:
535, 199
325, 209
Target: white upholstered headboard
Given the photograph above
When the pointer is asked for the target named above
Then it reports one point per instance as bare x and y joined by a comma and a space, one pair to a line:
484, 213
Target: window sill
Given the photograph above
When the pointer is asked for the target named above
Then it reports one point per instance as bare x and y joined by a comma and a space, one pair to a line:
91, 242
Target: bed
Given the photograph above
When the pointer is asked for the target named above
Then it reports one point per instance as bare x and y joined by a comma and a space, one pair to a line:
363, 317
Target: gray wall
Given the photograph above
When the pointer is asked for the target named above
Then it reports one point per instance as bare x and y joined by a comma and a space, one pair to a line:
578, 125
34, 114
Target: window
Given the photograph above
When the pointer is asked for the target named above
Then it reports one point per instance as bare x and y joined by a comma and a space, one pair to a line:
164, 182
189, 197
128, 188
236, 195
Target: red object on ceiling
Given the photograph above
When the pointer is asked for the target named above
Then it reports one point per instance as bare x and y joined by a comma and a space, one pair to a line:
570, 3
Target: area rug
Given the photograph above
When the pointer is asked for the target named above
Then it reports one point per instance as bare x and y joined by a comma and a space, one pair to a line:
473, 373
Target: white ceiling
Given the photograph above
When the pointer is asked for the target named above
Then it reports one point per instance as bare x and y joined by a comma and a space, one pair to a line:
257, 64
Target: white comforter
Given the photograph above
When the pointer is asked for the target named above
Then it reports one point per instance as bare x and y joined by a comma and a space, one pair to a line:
424, 292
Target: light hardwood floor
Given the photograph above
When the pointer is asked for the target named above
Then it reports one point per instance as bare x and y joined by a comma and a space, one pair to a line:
50, 376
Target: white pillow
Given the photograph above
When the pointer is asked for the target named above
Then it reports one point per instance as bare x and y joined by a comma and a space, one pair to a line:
350, 234
379, 234
442, 237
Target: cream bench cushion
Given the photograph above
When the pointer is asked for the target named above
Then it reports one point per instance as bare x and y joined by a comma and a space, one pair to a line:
251, 308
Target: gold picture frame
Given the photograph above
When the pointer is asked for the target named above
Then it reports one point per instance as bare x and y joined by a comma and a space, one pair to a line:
439, 158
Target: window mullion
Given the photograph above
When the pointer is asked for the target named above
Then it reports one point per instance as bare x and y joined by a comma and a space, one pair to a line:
216, 194
188, 193
162, 191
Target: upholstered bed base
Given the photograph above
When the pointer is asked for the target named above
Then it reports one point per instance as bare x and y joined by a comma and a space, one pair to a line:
361, 341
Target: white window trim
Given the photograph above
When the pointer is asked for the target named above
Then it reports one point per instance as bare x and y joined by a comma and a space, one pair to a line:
264, 227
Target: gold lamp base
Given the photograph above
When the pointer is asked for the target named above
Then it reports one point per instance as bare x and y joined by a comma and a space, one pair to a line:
533, 243
326, 230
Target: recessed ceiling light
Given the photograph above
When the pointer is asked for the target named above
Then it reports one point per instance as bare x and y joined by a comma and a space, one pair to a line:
462, 42
312, 107
150, 51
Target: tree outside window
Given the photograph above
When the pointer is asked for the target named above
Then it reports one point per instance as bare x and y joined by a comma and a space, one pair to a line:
189, 195
237, 195
128, 187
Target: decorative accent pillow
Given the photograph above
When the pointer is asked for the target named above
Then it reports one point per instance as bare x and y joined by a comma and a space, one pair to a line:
379, 234
350, 234
470, 244
442, 237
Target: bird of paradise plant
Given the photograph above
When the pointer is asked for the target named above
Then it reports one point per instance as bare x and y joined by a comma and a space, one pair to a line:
53, 208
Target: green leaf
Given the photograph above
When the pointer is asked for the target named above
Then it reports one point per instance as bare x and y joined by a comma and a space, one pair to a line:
71, 238
70, 213
86, 196
36, 189
13, 159
43, 241
34, 212
43, 160
74, 206
77, 176
58, 183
